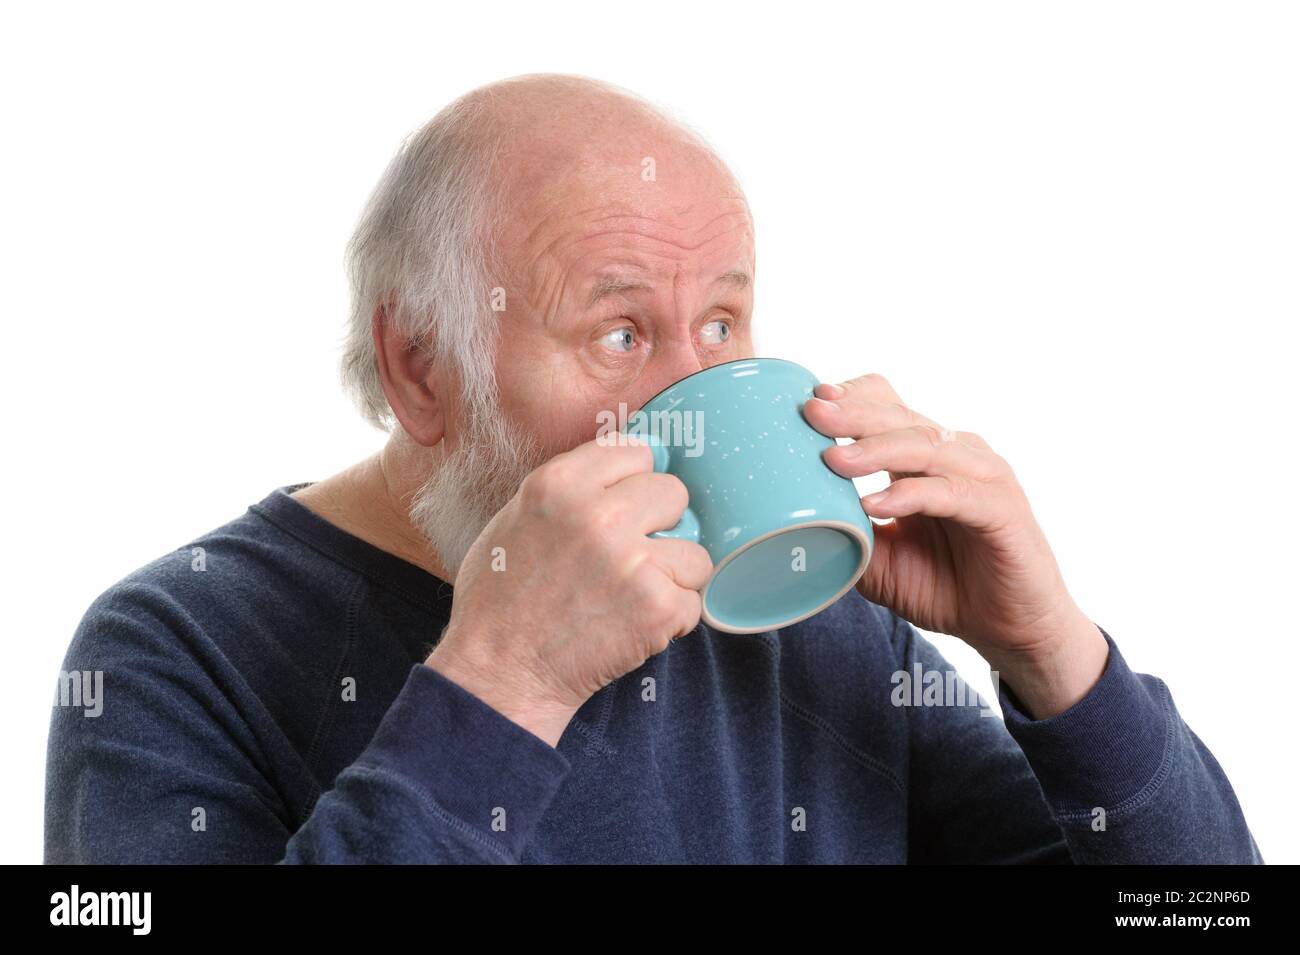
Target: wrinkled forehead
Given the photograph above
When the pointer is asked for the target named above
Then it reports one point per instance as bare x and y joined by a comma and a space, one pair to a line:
623, 202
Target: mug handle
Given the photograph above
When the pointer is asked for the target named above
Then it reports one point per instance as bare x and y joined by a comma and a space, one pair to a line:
688, 528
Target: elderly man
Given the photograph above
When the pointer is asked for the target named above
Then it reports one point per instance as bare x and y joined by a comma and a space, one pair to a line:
303, 684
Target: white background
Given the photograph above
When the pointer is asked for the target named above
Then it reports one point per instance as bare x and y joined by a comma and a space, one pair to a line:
1072, 228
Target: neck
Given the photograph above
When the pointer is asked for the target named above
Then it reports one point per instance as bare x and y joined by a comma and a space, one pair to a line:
371, 500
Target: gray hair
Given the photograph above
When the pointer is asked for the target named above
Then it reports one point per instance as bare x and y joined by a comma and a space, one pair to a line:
421, 250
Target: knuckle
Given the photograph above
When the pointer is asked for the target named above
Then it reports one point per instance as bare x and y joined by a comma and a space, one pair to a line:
543, 486
1003, 467
655, 644
675, 489
630, 565
661, 607
692, 607
532, 491
878, 382
703, 560
640, 580
931, 434
603, 525
992, 466
636, 449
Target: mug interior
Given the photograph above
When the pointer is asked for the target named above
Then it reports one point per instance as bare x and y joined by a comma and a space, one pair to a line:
758, 588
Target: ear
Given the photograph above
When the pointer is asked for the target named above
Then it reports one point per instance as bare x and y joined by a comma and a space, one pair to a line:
410, 381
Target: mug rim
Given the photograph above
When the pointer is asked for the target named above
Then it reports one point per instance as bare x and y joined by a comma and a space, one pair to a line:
723, 364
865, 541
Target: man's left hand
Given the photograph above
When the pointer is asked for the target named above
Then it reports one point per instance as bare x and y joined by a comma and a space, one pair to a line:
964, 554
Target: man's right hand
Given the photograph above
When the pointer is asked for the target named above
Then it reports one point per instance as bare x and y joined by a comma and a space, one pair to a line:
580, 594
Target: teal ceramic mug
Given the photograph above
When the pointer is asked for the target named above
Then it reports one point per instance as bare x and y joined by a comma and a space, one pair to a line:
787, 535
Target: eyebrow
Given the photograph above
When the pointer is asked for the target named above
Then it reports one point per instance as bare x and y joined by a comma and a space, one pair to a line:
615, 284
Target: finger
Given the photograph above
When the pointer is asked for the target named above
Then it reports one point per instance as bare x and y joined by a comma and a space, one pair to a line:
692, 607
921, 449
869, 387
853, 416
605, 461
685, 562
970, 503
646, 501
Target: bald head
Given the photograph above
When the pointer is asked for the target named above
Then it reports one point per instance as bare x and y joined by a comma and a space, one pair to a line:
584, 104
552, 137
566, 115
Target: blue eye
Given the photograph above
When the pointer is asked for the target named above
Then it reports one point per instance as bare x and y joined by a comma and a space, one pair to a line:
715, 332
620, 339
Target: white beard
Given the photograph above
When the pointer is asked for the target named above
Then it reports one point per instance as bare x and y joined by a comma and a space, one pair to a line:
472, 483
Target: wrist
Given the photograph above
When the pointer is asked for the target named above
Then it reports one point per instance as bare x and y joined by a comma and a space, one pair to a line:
544, 719
1059, 671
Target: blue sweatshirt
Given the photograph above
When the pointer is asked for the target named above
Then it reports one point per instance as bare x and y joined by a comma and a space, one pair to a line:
259, 695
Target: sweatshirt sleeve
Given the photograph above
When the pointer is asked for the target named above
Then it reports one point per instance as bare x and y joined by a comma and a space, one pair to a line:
1128, 781
1117, 778
446, 778
170, 771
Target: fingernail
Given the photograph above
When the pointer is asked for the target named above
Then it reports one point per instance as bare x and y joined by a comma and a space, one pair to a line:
835, 391
879, 496
850, 451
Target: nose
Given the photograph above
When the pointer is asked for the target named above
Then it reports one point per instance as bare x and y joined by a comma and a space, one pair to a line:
670, 367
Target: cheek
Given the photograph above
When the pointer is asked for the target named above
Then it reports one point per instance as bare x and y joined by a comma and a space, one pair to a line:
584, 416
563, 419
536, 393
558, 399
